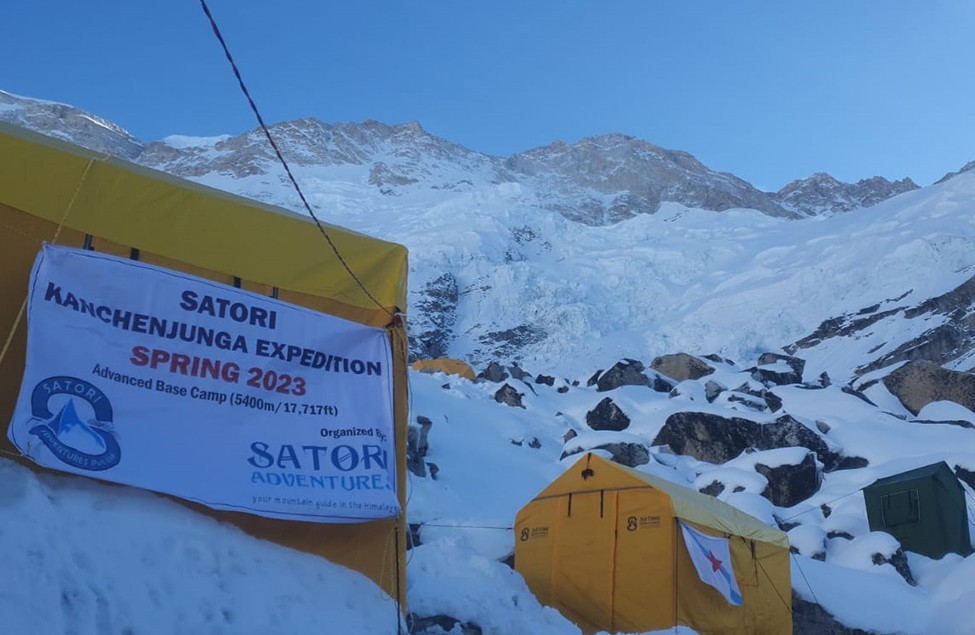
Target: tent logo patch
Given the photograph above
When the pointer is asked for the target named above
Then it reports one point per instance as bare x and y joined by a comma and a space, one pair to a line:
85, 445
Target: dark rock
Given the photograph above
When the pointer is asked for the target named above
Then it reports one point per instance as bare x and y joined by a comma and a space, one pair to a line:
715, 439
770, 377
436, 311
899, 561
795, 363
773, 401
811, 619
417, 445
628, 372
568, 436
660, 384
824, 379
858, 394
607, 416
713, 489
916, 384
707, 437
791, 484
965, 475
518, 373
434, 470
441, 625
413, 535
681, 367
839, 534
546, 380
822, 426
509, 396
748, 402
628, 454
826, 509
851, 463
562, 389
534, 443
961, 423
495, 373
508, 343
595, 377
711, 390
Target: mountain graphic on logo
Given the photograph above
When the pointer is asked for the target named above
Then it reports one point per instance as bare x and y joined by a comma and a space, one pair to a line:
75, 432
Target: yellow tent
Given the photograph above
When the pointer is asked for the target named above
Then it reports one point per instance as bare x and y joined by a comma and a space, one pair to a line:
445, 365
602, 544
59, 193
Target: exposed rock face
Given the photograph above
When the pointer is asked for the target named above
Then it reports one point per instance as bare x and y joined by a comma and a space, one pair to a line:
916, 384
948, 343
822, 194
771, 373
69, 123
628, 372
441, 625
681, 367
436, 308
715, 439
605, 179
607, 416
791, 484
898, 560
509, 396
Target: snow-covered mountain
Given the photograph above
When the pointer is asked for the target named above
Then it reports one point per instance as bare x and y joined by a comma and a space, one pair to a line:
808, 307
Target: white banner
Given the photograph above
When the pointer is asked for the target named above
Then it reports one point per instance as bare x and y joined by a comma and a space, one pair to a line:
712, 559
161, 380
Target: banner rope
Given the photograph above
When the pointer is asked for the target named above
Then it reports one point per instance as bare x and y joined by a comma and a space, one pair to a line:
287, 168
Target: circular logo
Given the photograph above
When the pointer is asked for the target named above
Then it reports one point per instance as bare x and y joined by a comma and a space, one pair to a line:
83, 444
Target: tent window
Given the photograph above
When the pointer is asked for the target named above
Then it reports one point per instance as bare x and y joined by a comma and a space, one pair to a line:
900, 508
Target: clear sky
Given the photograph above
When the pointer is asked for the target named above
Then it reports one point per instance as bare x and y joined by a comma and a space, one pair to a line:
771, 90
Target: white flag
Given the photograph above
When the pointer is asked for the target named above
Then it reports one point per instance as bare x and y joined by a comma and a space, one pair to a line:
712, 559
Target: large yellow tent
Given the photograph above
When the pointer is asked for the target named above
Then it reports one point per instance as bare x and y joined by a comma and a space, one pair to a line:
56, 193
602, 544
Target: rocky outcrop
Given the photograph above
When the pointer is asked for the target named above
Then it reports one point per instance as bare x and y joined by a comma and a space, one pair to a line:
917, 384
436, 309
822, 194
628, 372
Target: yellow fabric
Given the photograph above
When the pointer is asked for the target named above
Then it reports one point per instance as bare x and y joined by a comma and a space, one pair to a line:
602, 544
173, 218
191, 228
445, 365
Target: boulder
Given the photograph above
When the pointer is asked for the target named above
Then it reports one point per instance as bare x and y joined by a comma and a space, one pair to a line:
681, 367
795, 363
607, 416
509, 396
711, 390
494, 372
546, 380
918, 383
809, 618
898, 560
628, 454
791, 484
628, 372
441, 625
518, 372
707, 437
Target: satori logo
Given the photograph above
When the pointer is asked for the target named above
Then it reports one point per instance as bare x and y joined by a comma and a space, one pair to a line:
86, 445
631, 523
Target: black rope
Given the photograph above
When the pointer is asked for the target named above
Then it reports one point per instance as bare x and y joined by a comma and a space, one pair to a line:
277, 151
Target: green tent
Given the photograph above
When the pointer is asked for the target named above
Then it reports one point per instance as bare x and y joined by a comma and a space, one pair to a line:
923, 508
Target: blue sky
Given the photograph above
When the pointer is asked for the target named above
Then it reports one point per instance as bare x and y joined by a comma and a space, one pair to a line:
769, 90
